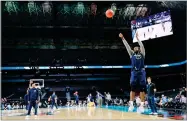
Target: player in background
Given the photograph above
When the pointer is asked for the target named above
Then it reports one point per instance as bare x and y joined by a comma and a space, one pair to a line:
151, 89
76, 98
53, 101
33, 99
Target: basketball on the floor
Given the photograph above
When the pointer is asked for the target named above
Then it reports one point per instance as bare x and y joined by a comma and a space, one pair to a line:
109, 13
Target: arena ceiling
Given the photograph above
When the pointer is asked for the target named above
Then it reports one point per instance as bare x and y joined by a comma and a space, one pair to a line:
80, 14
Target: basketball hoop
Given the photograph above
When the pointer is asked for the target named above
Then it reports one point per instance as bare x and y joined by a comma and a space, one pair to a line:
38, 82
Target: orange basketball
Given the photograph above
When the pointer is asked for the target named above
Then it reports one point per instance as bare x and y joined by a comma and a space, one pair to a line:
109, 13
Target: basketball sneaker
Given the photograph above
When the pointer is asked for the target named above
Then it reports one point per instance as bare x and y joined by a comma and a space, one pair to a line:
141, 108
131, 107
27, 116
151, 113
155, 113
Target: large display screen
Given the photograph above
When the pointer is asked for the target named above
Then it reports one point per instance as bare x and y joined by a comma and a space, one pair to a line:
151, 27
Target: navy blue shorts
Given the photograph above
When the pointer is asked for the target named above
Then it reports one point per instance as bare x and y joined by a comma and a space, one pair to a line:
138, 78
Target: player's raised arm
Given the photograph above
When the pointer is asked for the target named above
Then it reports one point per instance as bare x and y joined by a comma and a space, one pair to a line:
30, 83
129, 50
142, 49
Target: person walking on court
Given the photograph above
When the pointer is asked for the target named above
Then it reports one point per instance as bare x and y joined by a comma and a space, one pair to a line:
151, 89
99, 98
33, 99
76, 98
54, 101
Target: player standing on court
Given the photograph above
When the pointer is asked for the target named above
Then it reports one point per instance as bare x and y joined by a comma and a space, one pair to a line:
54, 101
138, 74
76, 98
33, 99
151, 89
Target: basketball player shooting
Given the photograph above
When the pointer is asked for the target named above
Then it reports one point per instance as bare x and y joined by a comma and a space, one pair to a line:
138, 74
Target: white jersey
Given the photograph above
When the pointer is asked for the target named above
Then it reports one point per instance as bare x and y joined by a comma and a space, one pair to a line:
108, 96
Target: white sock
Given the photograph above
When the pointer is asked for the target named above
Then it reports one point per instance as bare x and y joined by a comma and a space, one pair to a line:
131, 103
142, 104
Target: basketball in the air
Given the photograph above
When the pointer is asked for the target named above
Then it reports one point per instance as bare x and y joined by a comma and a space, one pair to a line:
109, 13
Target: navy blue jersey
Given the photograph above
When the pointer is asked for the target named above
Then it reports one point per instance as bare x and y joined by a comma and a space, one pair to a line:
137, 61
150, 89
53, 97
76, 97
33, 94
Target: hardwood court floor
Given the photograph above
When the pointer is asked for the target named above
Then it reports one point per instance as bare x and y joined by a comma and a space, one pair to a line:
77, 113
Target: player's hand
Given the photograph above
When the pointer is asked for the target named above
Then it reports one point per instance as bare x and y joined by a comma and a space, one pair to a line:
121, 36
37, 101
28, 102
137, 35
